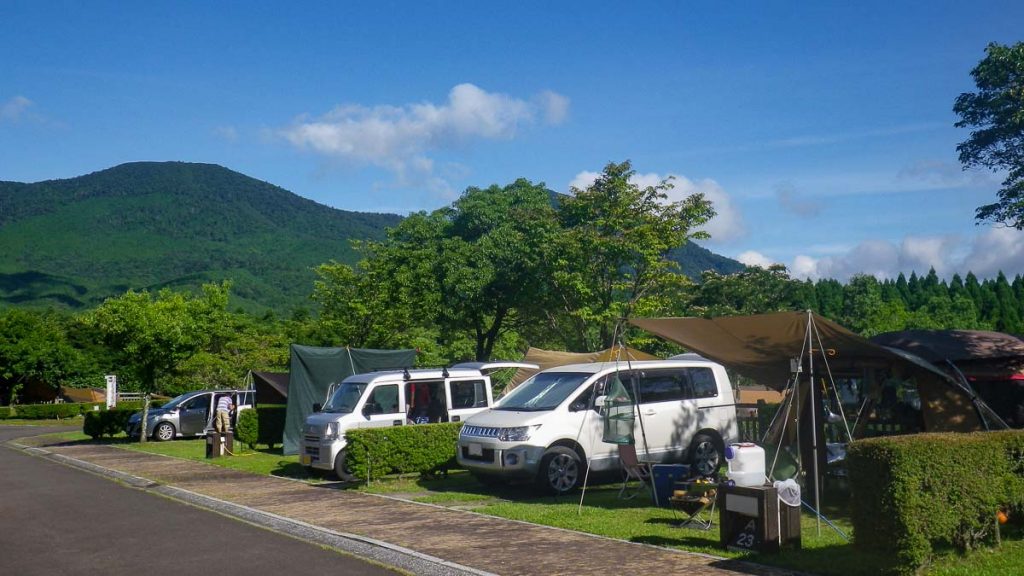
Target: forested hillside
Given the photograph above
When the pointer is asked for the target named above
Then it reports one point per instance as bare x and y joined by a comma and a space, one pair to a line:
149, 225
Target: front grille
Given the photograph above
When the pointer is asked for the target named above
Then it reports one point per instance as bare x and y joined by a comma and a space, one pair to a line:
312, 438
313, 451
480, 431
486, 456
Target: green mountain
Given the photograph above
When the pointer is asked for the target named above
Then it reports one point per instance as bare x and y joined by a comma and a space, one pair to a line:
156, 224
149, 225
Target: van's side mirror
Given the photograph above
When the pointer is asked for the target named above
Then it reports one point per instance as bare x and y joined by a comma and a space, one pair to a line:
599, 403
317, 407
367, 410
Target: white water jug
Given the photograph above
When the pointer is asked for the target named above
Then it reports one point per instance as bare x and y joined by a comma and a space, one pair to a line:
746, 464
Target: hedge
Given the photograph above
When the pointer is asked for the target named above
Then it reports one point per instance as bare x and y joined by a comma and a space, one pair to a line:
916, 492
422, 448
106, 422
64, 409
261, 425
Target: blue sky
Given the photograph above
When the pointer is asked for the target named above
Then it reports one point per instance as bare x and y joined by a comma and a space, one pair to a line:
823, 133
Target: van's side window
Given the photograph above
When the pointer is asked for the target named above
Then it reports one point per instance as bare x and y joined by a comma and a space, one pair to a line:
677, 384
383, 400
704, 385
585, 399
469, 394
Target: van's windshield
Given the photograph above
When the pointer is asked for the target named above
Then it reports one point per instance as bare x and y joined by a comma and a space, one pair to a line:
345, 398
174, 402
544, 391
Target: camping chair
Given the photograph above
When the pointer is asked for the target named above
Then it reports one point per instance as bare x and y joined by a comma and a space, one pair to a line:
633, 469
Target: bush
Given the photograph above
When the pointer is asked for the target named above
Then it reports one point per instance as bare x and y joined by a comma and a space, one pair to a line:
261, 425
5, 412
423, 448
913, 492
106, 422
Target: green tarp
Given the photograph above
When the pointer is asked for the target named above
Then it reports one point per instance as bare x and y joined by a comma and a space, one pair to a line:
313, 370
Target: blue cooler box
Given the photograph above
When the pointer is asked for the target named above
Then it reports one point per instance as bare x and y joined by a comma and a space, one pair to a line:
665, 478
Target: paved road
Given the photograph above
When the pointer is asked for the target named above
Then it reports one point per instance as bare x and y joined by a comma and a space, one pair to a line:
58, 520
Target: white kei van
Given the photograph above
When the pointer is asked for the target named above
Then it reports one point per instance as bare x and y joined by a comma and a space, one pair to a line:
550, 427
395, 398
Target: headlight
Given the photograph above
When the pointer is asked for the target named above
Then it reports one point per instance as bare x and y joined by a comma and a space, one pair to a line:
134, 419
331, 431
517, 434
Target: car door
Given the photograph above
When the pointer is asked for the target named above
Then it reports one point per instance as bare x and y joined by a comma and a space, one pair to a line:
466, 396
194, 414
384, 405
666, 418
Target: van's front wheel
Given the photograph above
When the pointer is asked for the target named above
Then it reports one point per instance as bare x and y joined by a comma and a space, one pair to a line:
560, 470
340, 470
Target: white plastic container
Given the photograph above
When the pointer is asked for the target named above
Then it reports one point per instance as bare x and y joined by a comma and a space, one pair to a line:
746, 464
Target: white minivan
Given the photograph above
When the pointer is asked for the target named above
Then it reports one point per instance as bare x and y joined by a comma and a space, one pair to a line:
395, 398
549, 428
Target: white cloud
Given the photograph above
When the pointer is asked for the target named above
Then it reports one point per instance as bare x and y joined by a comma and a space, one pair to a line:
994, 250
753, 258
15, 109
399, 138
726, 226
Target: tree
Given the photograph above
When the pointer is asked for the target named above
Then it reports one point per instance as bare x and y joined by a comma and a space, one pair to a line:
756, 290
474, 270
612, 251
154, 334
34, 348
995, 113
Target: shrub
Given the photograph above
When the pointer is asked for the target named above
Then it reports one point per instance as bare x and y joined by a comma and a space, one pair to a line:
5, 412
913, 492
106, 422
261, 425
423, 448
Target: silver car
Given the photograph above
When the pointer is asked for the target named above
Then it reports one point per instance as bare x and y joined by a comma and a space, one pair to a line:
190, 414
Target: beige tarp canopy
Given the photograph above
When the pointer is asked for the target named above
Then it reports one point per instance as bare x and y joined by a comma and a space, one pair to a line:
551, 358
760, 347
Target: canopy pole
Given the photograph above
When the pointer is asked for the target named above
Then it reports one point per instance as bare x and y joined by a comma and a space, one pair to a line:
814, 417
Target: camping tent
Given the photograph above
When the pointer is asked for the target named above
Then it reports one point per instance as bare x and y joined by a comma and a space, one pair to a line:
784, 348
761, 347
993, 362
550, 358
313, 370
271, 387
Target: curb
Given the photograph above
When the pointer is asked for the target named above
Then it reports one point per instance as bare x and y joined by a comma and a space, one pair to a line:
368, 548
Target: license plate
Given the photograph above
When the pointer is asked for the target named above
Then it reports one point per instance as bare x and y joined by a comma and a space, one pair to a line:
476, 450
306, 459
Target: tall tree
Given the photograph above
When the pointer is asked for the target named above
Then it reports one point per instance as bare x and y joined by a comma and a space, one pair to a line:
155, 333
995, 113
613, 249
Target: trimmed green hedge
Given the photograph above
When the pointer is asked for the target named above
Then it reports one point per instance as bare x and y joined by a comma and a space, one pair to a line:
64, 410
261, 425
106, 422
914, 492
423, 448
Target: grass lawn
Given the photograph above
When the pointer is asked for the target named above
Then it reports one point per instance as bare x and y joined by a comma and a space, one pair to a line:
603, 513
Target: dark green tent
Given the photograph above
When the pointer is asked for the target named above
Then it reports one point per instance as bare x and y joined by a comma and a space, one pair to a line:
313, 370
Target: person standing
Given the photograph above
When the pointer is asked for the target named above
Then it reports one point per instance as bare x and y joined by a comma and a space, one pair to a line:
223, 418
